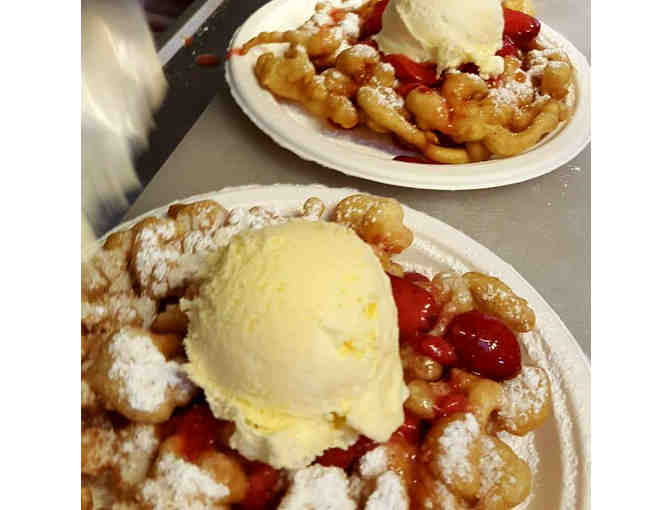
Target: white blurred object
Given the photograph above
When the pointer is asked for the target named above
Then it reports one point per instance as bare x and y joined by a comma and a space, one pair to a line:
122, 84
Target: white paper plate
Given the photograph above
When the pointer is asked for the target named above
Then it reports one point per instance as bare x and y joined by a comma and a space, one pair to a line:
365, 154
558, 452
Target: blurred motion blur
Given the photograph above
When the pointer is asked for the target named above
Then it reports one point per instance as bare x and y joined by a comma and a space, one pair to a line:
122, 84
161, 14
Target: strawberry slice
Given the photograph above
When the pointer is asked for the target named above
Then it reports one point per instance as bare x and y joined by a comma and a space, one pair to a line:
411, 71
374, 23
520, 27
508, 48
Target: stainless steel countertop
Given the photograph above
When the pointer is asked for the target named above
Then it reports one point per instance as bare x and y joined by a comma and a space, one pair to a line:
541, 227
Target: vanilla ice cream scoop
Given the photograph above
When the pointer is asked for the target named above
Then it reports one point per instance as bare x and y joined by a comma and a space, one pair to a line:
294, 337
447, 32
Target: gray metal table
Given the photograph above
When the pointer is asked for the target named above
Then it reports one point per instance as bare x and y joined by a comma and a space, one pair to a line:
541, 227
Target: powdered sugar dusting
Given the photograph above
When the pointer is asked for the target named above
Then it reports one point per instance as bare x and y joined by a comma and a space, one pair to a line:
123, 309
389, 494
513, 92
458, 440
364, 51
144, 373
156, 252
386, 97
373, 463
345, 4
350, 25
490, 465
526, 393
241, 220
143, 437
523, 447
322, 18
346, 28
180, 485
318, 487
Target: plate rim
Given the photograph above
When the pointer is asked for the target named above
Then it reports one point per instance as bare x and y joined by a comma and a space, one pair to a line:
566, 144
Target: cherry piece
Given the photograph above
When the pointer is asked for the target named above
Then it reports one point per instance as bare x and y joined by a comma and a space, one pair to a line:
374, 23
404, 89
508, 48
197, 430
416, 308
344, 458
262, 481
520, 27
455, 402
469, 68
412, 276
437, 348
410, 430
485, 345
410, 70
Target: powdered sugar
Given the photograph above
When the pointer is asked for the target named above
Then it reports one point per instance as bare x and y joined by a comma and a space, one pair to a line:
180, 485
490, 465
198, 241
365, 51
156, 251
143, 372
389, 494
122, 309
457, 441
241, 220
318, 487
106, 271
373, 463
138, 445
387, 67
386, 97
142, 437
513, 92
526, 393
322, 18
537, 60
346, 28
344, 4
350, 25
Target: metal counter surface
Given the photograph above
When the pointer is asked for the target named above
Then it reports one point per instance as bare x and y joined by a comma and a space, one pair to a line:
541, 227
